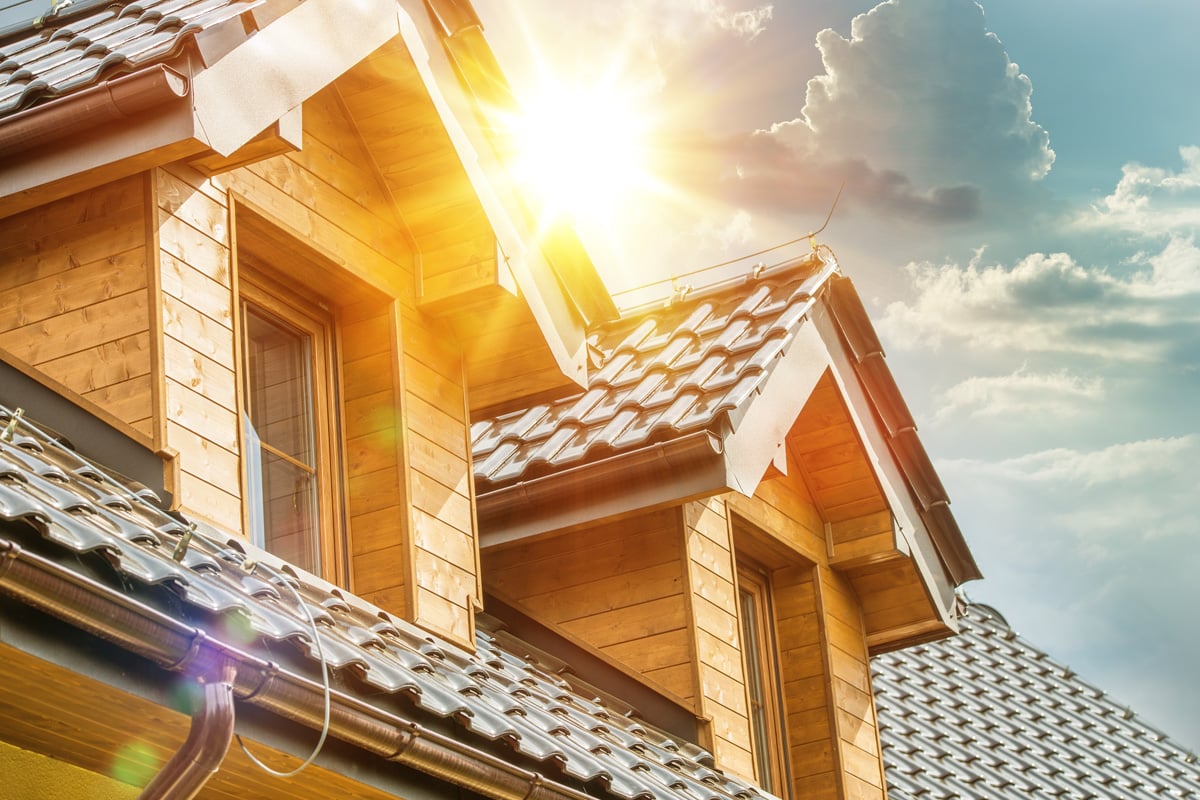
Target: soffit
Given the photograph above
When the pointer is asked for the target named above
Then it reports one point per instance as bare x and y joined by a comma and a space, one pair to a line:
659, 374
90, 521
988, 715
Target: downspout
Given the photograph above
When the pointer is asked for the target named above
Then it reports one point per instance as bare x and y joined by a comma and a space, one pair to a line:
93, 607
185, 774
75, 114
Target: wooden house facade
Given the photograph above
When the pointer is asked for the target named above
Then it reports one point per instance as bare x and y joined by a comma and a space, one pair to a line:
262, 258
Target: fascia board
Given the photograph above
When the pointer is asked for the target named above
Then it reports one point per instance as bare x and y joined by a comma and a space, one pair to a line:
43, 174
653, 477
561, 325
773, 410
284, 64
908, 517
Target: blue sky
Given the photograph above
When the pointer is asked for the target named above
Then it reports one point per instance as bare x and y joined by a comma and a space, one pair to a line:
1021, 213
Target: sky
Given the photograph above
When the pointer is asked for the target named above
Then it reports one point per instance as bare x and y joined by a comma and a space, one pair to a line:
1020, 213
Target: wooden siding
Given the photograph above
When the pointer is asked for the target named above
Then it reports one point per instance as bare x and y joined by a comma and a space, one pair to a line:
74, 296
146, 327
719, 666
200, 417
617, 588
412, 530
459, 278
827, 446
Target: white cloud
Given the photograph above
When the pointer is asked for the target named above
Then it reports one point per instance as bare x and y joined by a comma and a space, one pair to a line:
1055, 394
922, 88
746, 23
1151, 200
1050, 303
1118, 463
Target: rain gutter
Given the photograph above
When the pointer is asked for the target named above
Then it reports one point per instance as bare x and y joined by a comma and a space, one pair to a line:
660, 474
91, 606
74, 115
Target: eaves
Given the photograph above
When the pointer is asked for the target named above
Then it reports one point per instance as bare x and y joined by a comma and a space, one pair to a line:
220, 89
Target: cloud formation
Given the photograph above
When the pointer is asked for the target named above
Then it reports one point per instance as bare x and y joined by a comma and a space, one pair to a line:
1050, 303
1058, 394
921, 105
925, 85
920, 113
1076, 469
1151, 200
746, 23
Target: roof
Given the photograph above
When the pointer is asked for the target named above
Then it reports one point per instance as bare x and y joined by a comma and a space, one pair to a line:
93, 524
696, 365
986, 714
76, 50
666, 372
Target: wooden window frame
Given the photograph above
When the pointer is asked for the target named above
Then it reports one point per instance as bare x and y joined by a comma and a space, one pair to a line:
259, 285
767, 730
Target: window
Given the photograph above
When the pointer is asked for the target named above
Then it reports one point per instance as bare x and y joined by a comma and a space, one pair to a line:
762, 686
288, 418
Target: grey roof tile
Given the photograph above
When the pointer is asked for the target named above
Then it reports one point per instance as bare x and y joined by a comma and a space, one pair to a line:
53, 499
663, 372
987, 715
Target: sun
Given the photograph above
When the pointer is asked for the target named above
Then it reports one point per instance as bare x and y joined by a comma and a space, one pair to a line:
578, 151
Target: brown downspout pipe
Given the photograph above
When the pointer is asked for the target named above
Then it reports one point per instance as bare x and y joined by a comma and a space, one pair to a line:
185, 774
91, 606
74, 114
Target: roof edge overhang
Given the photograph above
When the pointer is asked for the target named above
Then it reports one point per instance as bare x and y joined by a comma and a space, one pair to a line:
850, 334
651, 477
93, 607
561, 317
910, 520
478, 68
216, 95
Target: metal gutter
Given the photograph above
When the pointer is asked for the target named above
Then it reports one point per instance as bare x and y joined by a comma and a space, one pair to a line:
659, 474
75, 114
93, 607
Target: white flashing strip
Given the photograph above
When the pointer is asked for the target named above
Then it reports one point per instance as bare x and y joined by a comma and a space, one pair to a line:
284, 64
535, 285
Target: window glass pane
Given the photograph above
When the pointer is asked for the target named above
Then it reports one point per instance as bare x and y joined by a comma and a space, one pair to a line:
279, 397
752, 647
289, 511
279, 385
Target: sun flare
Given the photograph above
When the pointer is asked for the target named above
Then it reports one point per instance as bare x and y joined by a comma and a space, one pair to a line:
579, 151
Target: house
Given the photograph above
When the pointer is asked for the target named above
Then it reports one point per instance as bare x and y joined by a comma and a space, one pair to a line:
987, 714
737, 511
305, 434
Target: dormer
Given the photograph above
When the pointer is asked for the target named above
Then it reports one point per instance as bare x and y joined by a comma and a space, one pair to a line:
737, 512
273, 242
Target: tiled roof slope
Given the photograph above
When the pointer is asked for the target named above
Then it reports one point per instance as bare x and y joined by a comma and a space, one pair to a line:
660, 374
986, 715
83, 518
80, 49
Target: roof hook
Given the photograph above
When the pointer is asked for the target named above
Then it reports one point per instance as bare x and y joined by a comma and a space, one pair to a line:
11, 427
185, 541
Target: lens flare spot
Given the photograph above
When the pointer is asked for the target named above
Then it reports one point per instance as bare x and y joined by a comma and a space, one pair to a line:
135, 764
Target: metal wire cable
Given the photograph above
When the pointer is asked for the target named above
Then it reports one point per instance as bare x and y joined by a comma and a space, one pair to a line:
324, 688
809, 236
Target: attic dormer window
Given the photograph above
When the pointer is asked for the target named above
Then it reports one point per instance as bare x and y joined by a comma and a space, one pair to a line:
287, 416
